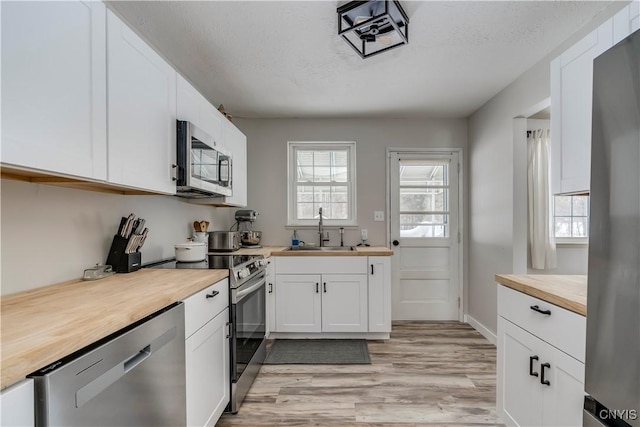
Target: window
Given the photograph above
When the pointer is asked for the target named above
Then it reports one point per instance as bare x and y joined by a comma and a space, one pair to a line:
424, 198
322, 175
571, 218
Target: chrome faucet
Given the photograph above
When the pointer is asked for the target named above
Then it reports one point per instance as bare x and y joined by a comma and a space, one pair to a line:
321, 231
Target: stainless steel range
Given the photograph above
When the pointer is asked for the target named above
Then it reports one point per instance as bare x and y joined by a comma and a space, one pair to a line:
247, 278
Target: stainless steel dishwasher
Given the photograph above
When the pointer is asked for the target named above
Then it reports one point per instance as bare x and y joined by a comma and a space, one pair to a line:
134, 377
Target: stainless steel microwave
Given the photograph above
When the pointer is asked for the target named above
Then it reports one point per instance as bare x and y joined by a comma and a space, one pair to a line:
203, 167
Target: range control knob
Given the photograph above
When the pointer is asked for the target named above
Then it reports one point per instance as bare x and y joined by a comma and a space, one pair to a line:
243, 273
262, 262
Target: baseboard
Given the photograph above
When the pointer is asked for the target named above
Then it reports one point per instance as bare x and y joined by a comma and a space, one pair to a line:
486, 332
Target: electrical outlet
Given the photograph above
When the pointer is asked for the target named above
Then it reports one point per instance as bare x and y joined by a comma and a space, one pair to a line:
378, 215
363, 234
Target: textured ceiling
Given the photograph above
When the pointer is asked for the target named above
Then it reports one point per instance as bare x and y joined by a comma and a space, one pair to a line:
285, 59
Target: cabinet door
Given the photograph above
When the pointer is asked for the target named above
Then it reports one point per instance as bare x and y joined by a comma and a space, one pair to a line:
519, 394
563, 398
142, 112
208, 372
194, 107
17, 405
344, 303
236, 142
271, 297
54, 87
626, 21
571, 93
298, 303
380, 294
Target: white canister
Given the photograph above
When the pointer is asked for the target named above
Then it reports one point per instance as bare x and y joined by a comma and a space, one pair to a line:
190, 251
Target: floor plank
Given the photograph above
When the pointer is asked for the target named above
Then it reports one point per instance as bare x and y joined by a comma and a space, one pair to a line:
427, 374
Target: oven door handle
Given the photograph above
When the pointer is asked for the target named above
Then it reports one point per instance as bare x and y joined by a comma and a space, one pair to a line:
243, 293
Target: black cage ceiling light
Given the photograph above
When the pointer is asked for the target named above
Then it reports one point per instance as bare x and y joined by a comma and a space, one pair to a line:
374, 26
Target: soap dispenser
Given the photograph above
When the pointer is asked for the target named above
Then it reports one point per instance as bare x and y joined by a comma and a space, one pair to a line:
294, 239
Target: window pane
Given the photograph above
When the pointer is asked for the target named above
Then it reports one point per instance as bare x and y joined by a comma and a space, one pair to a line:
305, 158
305, 210
322, 158
422, 173
339, 174
339, 194
580, 227
305, 193
341, 158
562, 206
563, 226
580, 205
423, 199
339, 211
424, 225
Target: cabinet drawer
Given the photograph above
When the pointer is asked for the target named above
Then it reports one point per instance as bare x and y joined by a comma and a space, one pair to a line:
322, 264
562, 328
203, 306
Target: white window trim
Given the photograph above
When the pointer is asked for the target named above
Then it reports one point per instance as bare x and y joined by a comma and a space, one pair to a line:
291, 187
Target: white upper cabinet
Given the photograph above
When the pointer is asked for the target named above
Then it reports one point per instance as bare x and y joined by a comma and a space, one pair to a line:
142, 112
195, 108
571, 102
54, 87
626, 21
236, 142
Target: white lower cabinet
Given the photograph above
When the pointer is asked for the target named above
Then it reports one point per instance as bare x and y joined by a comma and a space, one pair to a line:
331, 294
17, 405
207, 355
321, 303
538, 384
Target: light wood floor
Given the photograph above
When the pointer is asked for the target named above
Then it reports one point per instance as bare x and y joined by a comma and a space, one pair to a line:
428, 373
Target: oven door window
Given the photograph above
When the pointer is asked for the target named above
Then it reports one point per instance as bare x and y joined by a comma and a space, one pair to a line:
249, 329
204, 162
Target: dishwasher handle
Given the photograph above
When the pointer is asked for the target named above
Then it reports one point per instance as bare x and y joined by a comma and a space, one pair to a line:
99, 384
137, 359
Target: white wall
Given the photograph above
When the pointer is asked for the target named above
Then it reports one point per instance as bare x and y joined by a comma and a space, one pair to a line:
267, 165
51, 234
491, 174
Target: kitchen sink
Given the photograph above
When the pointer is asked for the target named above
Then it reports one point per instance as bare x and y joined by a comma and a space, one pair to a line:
321, 249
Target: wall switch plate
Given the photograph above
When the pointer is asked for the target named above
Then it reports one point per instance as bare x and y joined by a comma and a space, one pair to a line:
378, 215
363, 234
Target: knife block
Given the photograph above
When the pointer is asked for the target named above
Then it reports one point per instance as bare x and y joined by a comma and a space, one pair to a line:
121, 261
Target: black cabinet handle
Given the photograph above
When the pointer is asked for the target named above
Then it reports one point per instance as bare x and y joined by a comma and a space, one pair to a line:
317, 290
372, 269
212, 294
531, 359
228, 330
270, 288
542, 380
324, 286
395, 243
536, 308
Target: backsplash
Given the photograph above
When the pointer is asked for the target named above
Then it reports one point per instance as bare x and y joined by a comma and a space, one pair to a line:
51, 234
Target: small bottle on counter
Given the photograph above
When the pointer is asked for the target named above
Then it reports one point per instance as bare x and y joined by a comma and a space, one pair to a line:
294, 238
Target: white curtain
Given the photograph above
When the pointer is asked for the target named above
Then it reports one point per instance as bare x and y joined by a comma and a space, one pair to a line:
541, 234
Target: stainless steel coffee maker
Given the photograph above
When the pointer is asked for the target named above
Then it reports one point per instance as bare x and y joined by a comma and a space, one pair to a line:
249, 238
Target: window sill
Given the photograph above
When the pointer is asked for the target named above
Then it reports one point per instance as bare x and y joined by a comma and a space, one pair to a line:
571, 243
324, 226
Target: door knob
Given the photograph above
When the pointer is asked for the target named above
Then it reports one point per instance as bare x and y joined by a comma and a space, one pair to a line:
395, 243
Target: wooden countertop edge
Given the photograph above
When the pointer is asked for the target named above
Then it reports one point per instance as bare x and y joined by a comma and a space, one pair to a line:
574, 299
360, 251
32, 339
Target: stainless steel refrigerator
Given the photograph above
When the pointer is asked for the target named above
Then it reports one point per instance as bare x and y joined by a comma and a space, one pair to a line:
612, 363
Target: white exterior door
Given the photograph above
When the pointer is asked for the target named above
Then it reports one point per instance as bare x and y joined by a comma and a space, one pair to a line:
424, 233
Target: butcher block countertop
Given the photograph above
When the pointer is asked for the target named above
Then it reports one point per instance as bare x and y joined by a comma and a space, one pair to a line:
566, 291
360, 251
43, 325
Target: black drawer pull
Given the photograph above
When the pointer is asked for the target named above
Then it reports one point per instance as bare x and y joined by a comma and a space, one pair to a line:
542, 380
270, 288
324, 285
372, 269
531, 359
212, 294
536, 308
